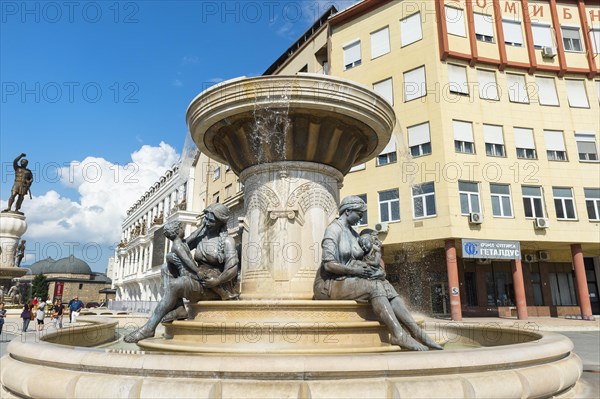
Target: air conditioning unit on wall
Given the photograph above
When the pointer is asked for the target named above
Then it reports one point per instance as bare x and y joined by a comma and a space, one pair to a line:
382, 227
548, 52
544, 256
475, 218
530, 258
484, 261
541, 223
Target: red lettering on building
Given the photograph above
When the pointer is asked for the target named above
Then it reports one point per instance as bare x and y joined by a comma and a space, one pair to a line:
594, 14
538, 10
567, 14
510, 8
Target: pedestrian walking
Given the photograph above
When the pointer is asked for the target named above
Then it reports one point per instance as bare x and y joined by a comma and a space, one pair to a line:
75, 306
27, 315
57, 314
2, 317
41, 314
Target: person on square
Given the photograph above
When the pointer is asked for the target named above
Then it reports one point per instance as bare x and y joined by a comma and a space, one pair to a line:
75, 306
40, 315
26, 315
57, 314
2, 316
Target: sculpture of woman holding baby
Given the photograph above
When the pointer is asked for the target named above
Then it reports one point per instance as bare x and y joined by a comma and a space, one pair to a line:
344, 274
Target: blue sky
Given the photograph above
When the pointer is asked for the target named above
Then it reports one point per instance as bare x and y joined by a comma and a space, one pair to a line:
95, 93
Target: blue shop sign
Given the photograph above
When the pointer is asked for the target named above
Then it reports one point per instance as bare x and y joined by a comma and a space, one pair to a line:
489, 249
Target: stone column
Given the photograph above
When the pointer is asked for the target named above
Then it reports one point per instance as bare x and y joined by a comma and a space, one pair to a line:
517, 273
288, 207
582, 288
451, 264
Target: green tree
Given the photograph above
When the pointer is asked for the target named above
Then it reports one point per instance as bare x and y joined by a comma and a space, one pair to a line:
39, 287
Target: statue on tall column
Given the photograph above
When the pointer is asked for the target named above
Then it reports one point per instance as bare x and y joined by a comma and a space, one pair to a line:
206, 274
22, 184
20, 254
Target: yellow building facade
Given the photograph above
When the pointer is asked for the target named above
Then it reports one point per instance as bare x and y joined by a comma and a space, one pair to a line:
496, 144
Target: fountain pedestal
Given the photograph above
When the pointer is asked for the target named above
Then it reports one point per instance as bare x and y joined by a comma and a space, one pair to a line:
12, 228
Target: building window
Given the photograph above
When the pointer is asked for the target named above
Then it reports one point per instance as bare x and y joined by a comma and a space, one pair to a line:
423, 200
563, 291
555, 145
563, 203
488, 88
228, 191
571, 38
517, 90
513, 36
463, 137
595, 39
494, 140
484, 28
80, 286
586, 146
414, 84
524, 143
389, 206
385, 89
457, 78
358, 167
352, 55
217, 173
419, 141
592, 202
410, 29
216, 197
501, 203
365, 217
455, 21
380, 42
533, 201
576, 94
469, 197
546, 91
542, 35
240, 186
388, 155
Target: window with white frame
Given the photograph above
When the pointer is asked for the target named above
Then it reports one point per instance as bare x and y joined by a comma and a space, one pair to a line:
463, 137
365, 217
228, 191
410, 29
517, 89
380, 42
571, 38
564, 203
525, 143
488, 88
455, 21
469, 197
356, 168
419, 140
576, 93
494, 140
555, 145
216, 197
586, 146
595, 39
414, 84
240, 186
385, 89
457, 78
389, 206
352, 55
501, 202
513, 35
542, 35
592, 202
533, 201
217, 173
423, 200
546, 91
484, 27
388, 155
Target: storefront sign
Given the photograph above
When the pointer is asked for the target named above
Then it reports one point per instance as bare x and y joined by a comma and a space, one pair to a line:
487, 249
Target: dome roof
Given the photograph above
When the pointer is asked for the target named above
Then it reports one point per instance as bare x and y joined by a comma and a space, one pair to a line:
69, 265
41, 266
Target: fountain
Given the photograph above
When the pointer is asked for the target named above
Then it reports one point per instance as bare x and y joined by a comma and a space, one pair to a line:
291, 139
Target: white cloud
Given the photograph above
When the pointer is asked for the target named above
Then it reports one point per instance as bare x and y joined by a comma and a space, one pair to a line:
106, 190
177, 83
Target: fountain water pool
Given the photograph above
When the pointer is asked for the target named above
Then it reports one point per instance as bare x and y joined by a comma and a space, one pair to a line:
276, 342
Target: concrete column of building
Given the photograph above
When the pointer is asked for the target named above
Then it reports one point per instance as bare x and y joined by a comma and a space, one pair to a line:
519, 285
452, 265
582, 288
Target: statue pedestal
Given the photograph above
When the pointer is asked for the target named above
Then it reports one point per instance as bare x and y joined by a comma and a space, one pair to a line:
12, 227
288, 207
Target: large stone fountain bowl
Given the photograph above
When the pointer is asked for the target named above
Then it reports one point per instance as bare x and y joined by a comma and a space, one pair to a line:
314, 118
